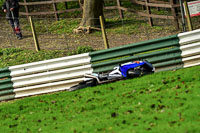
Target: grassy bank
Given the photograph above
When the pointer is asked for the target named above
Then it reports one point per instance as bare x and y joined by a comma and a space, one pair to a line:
162, 102
15, 56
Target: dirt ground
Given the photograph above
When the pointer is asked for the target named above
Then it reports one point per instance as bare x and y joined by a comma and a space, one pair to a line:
71, 41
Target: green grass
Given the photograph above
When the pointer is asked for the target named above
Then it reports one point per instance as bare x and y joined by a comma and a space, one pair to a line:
64, 26
15, 56
129, 25
166, 102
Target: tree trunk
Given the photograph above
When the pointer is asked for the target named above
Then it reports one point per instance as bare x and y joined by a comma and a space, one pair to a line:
92, 9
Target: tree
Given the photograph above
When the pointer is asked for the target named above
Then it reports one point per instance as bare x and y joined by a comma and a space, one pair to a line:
92, 9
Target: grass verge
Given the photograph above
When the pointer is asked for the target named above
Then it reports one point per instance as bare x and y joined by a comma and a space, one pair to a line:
16, 56
161, 102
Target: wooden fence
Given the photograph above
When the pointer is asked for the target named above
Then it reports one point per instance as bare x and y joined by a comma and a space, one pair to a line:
53, 2
146, 4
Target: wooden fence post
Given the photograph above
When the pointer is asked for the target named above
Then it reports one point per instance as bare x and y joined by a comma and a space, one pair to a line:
37, 47
149, 12
104, 32
188, 16
26, 8
183, 16
81, 2
174, 13
55, 10
120, 11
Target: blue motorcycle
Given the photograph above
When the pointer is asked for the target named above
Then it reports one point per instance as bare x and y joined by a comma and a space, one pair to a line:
121, 72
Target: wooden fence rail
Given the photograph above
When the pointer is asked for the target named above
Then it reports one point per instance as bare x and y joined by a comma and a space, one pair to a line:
147, 4
45, 2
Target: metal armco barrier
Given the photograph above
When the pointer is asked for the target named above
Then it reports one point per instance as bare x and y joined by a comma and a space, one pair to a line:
43, 77
163, 53
190, 47
168, 53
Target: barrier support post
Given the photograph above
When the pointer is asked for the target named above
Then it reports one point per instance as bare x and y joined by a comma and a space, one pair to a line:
37, 47
104, 32
188, 15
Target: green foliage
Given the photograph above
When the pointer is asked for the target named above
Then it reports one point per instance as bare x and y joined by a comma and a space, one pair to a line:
14, 56
81, 49
63, 26
9, 51
127, 26
134, 25
162, 102
1, 3
128, 4
110, 3
160, 12
123, 3
57, 27
70, 5
61, 6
